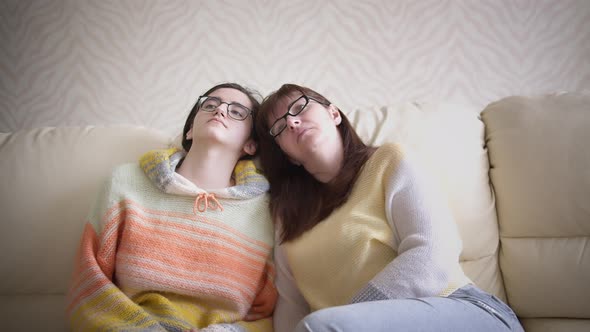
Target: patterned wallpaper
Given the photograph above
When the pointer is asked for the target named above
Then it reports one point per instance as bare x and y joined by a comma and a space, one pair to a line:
78, 62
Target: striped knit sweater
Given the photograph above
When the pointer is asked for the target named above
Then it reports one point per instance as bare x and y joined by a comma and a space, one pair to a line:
392, 239
160, 254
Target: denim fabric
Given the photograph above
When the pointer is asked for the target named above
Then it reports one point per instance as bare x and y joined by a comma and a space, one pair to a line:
467, 309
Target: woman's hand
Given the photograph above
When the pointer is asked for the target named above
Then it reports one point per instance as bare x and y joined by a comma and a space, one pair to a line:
261, 307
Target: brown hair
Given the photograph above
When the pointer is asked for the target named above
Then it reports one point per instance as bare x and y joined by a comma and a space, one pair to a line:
251, 94
297, 199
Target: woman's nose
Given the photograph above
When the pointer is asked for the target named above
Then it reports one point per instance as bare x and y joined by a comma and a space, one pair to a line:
222, 109
293, 121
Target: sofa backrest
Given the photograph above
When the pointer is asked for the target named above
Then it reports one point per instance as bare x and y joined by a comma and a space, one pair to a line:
540, 155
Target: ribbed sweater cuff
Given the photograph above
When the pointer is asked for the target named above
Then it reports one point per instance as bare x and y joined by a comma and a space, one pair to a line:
223, 328
369, 293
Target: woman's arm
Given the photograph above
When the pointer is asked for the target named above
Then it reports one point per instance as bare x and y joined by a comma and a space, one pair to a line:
291, 306
94, 301
425, 238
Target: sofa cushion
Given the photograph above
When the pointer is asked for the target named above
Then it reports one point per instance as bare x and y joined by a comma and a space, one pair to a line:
540, 168
555, 325
33, 313
447, 139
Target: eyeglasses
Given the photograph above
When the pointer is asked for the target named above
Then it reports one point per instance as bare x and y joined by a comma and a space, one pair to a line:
296, 107
235, 111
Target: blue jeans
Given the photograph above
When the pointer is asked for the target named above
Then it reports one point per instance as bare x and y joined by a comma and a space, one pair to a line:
467, 309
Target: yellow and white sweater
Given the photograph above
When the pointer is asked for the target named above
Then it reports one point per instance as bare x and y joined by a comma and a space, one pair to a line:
392, 239
160, 254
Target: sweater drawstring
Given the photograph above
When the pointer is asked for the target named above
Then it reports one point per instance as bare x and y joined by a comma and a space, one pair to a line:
209, 201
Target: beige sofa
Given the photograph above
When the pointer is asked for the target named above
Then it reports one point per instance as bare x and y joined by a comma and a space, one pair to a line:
517, 176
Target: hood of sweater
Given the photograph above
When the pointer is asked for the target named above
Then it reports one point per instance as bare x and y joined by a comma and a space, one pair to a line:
160, 167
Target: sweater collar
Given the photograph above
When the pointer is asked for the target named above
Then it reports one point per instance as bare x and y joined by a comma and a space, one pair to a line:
160, 167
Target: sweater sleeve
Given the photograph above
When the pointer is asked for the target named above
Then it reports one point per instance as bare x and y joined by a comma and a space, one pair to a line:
94, 301
425, 238
291, 305
266, 296
265, 300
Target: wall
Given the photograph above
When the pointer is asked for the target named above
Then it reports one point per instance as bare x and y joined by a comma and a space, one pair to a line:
70, 62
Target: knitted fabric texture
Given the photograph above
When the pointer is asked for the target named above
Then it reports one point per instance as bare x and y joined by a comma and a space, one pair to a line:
357, 254
150, 261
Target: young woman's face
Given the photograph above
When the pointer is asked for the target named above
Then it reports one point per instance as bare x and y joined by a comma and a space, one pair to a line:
311, 131
216, 124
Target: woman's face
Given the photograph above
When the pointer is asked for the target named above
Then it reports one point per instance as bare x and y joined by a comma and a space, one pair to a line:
216, 125
308, 134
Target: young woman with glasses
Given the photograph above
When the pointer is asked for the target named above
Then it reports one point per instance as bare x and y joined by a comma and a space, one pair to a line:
182, 239
363, 244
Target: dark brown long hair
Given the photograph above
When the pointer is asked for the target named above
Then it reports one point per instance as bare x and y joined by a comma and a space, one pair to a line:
251, 94
297, 200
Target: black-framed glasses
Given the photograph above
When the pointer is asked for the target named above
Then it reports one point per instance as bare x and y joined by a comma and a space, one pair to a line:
296, 107
235, 111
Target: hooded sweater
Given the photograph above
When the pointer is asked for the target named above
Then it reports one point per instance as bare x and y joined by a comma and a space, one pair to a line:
159, 253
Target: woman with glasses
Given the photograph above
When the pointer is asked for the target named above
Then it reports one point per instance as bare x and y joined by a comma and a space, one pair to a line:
182, 240
362, 243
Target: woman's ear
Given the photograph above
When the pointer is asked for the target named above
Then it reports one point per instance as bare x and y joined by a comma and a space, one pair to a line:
250, 147
335, 113
189, 134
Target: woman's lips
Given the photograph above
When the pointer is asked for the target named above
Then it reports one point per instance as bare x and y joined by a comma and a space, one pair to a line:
217, 120
301, 133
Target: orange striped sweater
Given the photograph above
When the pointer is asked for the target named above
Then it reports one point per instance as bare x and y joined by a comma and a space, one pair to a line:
159, 255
